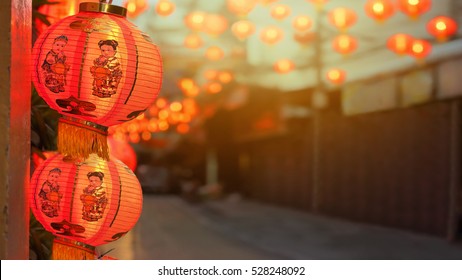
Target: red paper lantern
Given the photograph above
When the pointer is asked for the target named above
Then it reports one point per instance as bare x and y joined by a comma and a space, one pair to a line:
215, 24
214, 53
336, 76
271, 35
302, 23
280, 12
442, 27
92, 201
414, 8
283, 66
379, 10
342, 18
400, 43
420, 49
165, 8
344, 44
97, 69
243, 29
241, 7
122, 151
195, 20
193, 41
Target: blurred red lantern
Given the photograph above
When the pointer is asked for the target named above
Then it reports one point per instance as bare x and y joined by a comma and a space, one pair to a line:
342, 18
304, 38
165, 8
302, 23
379, 10
92, 201
344, 44
241, 7
193, 41
195, 20
420, 49
319, 3
271, 35
400, 43
243, 29
214, 53
215, 24
135, 7
442, 27
97, 69
414, 8
122, 151
280, 12
336, 76
284, 66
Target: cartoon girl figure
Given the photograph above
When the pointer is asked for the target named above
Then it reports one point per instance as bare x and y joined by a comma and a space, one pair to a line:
94, 197
49, 194
54, 66
106, 70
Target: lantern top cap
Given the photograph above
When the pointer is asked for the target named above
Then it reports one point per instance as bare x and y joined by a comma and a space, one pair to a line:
103, 8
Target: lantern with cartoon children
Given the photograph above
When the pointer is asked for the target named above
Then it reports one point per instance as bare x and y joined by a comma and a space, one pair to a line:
92, 201
97, 69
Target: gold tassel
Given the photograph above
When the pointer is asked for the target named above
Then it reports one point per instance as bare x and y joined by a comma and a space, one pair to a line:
79, 139
64, 249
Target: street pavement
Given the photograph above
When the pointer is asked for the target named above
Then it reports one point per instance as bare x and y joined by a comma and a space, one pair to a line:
172, 229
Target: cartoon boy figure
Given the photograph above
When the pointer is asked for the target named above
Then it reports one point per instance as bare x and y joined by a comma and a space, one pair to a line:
106, 70
54, 66
49, 194
94, 197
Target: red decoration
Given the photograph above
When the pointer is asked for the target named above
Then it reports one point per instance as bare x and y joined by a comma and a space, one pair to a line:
92, 201
342, 18
215, 24
284, 66
97, 69
302, 23
442, 27
420, 49
271, 35
165, 8
400, 43
241, 7
379, 10
344, 44
336, 76
122, 151
280, 12
195, 20
414, 8
243, 29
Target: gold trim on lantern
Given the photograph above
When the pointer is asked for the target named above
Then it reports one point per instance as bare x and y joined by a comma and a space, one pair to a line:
79, 138
102, 8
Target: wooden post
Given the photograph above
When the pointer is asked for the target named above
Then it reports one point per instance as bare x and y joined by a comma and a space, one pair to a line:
15, 95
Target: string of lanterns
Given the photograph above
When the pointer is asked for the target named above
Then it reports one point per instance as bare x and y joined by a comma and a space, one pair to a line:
97, 70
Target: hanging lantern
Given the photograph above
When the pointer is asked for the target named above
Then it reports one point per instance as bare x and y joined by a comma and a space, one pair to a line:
420, 49
284, 66
97, 70
442, 27
135, 7
92, 201
165, 8
414, 8
336, 76
319, 3
271, 35
400, 43
344, 44
243, 29
214, 53
225, 77
195, 20
280, 12
122, 151
240, 7
342, 18
379, 10
213, 87
193, 41
302, 23
304, 38
215, 24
